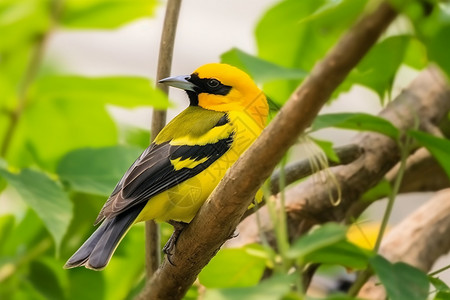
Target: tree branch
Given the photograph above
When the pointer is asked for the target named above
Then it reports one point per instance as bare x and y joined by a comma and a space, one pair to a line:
419, 240
219, 216
301, 169
152, 236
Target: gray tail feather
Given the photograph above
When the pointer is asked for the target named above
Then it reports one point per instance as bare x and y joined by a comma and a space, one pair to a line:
96, 252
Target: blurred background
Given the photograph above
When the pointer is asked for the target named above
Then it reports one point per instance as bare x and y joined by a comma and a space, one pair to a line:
86, 51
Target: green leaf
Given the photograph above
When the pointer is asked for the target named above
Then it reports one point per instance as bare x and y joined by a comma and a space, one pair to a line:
75, 115
25, 235
378, 68
6, 227
442, 295
21, 22
382, 189
327, 148
46, 197
232, 268
438, 147
434, 31
313, 27
96, 171
134, 136
270, 289
85, 284
105, 14
438, 284
416, 54
341, 253
322, 237
356, 121
402, 281
259, 69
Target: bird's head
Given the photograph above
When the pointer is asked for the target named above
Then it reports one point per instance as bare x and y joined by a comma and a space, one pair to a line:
222, 87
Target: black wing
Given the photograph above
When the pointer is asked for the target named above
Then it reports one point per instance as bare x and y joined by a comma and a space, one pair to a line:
153, 173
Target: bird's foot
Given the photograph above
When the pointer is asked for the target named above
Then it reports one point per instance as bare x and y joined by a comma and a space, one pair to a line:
169, 247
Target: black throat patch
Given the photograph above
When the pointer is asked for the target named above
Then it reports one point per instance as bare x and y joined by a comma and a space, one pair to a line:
206, 85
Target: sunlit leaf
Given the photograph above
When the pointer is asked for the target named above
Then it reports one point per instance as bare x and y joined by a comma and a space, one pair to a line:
438, 147
21, 22
356, 121
319, 238
6, 226
104, 14
416, 54
96, 171
401, 280
270, 289
232, 268
259, 69
45, 196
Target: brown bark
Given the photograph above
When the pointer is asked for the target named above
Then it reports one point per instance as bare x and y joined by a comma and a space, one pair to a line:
220, 215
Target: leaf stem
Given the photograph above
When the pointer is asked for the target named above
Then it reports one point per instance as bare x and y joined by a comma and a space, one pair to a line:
439, 270
365, 275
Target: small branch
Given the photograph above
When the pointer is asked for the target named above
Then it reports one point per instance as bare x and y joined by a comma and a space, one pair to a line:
422, 174
152, 235
419, 240
301, 169
220, 214
27, 80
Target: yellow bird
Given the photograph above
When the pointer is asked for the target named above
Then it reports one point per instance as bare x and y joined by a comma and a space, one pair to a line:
175, 175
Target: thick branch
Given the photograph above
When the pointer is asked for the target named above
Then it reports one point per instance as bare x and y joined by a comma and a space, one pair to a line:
218, 217
418, 240
423, 173
426, 100
152, 238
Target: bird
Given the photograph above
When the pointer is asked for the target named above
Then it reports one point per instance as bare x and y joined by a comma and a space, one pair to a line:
174, 176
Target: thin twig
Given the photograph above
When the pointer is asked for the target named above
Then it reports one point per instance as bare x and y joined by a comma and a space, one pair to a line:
220, 214
152, 235
29, 76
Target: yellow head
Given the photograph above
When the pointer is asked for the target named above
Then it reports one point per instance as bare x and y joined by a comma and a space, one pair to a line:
222, 87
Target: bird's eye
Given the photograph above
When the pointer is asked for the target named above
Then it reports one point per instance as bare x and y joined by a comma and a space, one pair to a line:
213, 83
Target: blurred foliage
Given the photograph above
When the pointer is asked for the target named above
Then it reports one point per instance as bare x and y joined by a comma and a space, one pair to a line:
62, 152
